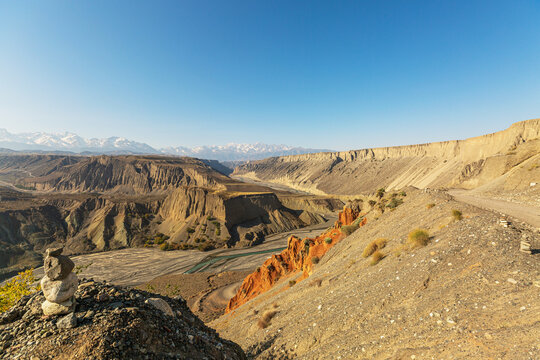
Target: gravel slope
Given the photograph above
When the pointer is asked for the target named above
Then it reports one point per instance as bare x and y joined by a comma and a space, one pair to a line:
468, 294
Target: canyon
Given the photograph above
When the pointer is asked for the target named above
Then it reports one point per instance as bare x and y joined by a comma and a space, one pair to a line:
307, 256
102, 203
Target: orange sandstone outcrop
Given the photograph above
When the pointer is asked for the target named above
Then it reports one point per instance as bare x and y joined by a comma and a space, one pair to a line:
298, 256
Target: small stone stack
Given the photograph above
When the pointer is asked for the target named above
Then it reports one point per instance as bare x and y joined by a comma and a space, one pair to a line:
59, 283
525, 245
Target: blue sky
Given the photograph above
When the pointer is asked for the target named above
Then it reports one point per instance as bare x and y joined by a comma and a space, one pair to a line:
339, 75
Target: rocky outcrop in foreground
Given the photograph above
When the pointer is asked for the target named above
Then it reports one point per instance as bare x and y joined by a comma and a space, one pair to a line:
110, 322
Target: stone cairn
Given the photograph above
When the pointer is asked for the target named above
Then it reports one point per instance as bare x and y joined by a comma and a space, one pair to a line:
525, 245
59, 283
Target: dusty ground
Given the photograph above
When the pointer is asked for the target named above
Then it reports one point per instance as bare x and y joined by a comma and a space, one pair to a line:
469, 294
206, 294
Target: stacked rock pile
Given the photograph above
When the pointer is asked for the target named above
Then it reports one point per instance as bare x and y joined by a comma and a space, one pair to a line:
59, 284
111, 322
525, 245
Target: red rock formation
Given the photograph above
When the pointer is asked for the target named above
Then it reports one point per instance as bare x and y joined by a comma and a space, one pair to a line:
297, 257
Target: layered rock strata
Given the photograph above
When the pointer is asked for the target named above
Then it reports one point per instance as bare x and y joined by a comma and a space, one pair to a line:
300, 256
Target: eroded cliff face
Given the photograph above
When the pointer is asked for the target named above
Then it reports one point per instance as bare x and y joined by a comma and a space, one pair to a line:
125, 174
104, 203
300, 256
440, 164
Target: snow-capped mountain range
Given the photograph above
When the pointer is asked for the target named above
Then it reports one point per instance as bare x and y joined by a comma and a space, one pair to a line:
69, 142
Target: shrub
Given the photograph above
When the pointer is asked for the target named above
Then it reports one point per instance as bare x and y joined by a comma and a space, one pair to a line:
457, 214
264, 321
348, 229
429, 206
418, 237
16, 288
403, 193
210, 218
328, 240
376, 257
292, 283
315, 260
380, 193
159, 240
373, 246
165, 246
394, 203
205, 247
190, 230
372, 203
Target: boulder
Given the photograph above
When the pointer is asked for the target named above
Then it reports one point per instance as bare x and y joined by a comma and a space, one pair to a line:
67, 322
58, 267
59, 290
160, 304
51, 308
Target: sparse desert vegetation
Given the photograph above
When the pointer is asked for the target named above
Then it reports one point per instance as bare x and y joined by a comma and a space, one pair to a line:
16, 288
373, 246
457, 215
376, 257
418, 238
264, 321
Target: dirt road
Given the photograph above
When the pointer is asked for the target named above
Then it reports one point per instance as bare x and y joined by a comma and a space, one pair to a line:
525, 213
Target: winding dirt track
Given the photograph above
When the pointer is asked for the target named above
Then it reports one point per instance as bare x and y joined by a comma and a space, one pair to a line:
525, 213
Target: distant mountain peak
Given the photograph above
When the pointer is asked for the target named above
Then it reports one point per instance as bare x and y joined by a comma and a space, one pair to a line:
71, 142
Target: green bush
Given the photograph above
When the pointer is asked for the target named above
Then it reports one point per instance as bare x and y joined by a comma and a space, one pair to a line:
380, 193
165, 246
315, 260
394, 203
16, 288
190, 230
328, 240
418, 237
348, 229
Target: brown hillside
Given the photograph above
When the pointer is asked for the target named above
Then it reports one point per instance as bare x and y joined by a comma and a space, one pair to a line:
468, 294
461, 163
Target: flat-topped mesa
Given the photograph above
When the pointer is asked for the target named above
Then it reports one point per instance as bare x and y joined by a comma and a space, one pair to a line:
465, 163
59, 283
300, 255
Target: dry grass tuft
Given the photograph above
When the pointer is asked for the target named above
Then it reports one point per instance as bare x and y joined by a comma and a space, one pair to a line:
373, 246
457, 215
418, 238
376, 257
264, 321
429, 206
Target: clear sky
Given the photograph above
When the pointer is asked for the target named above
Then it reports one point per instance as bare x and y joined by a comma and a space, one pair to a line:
334, 74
